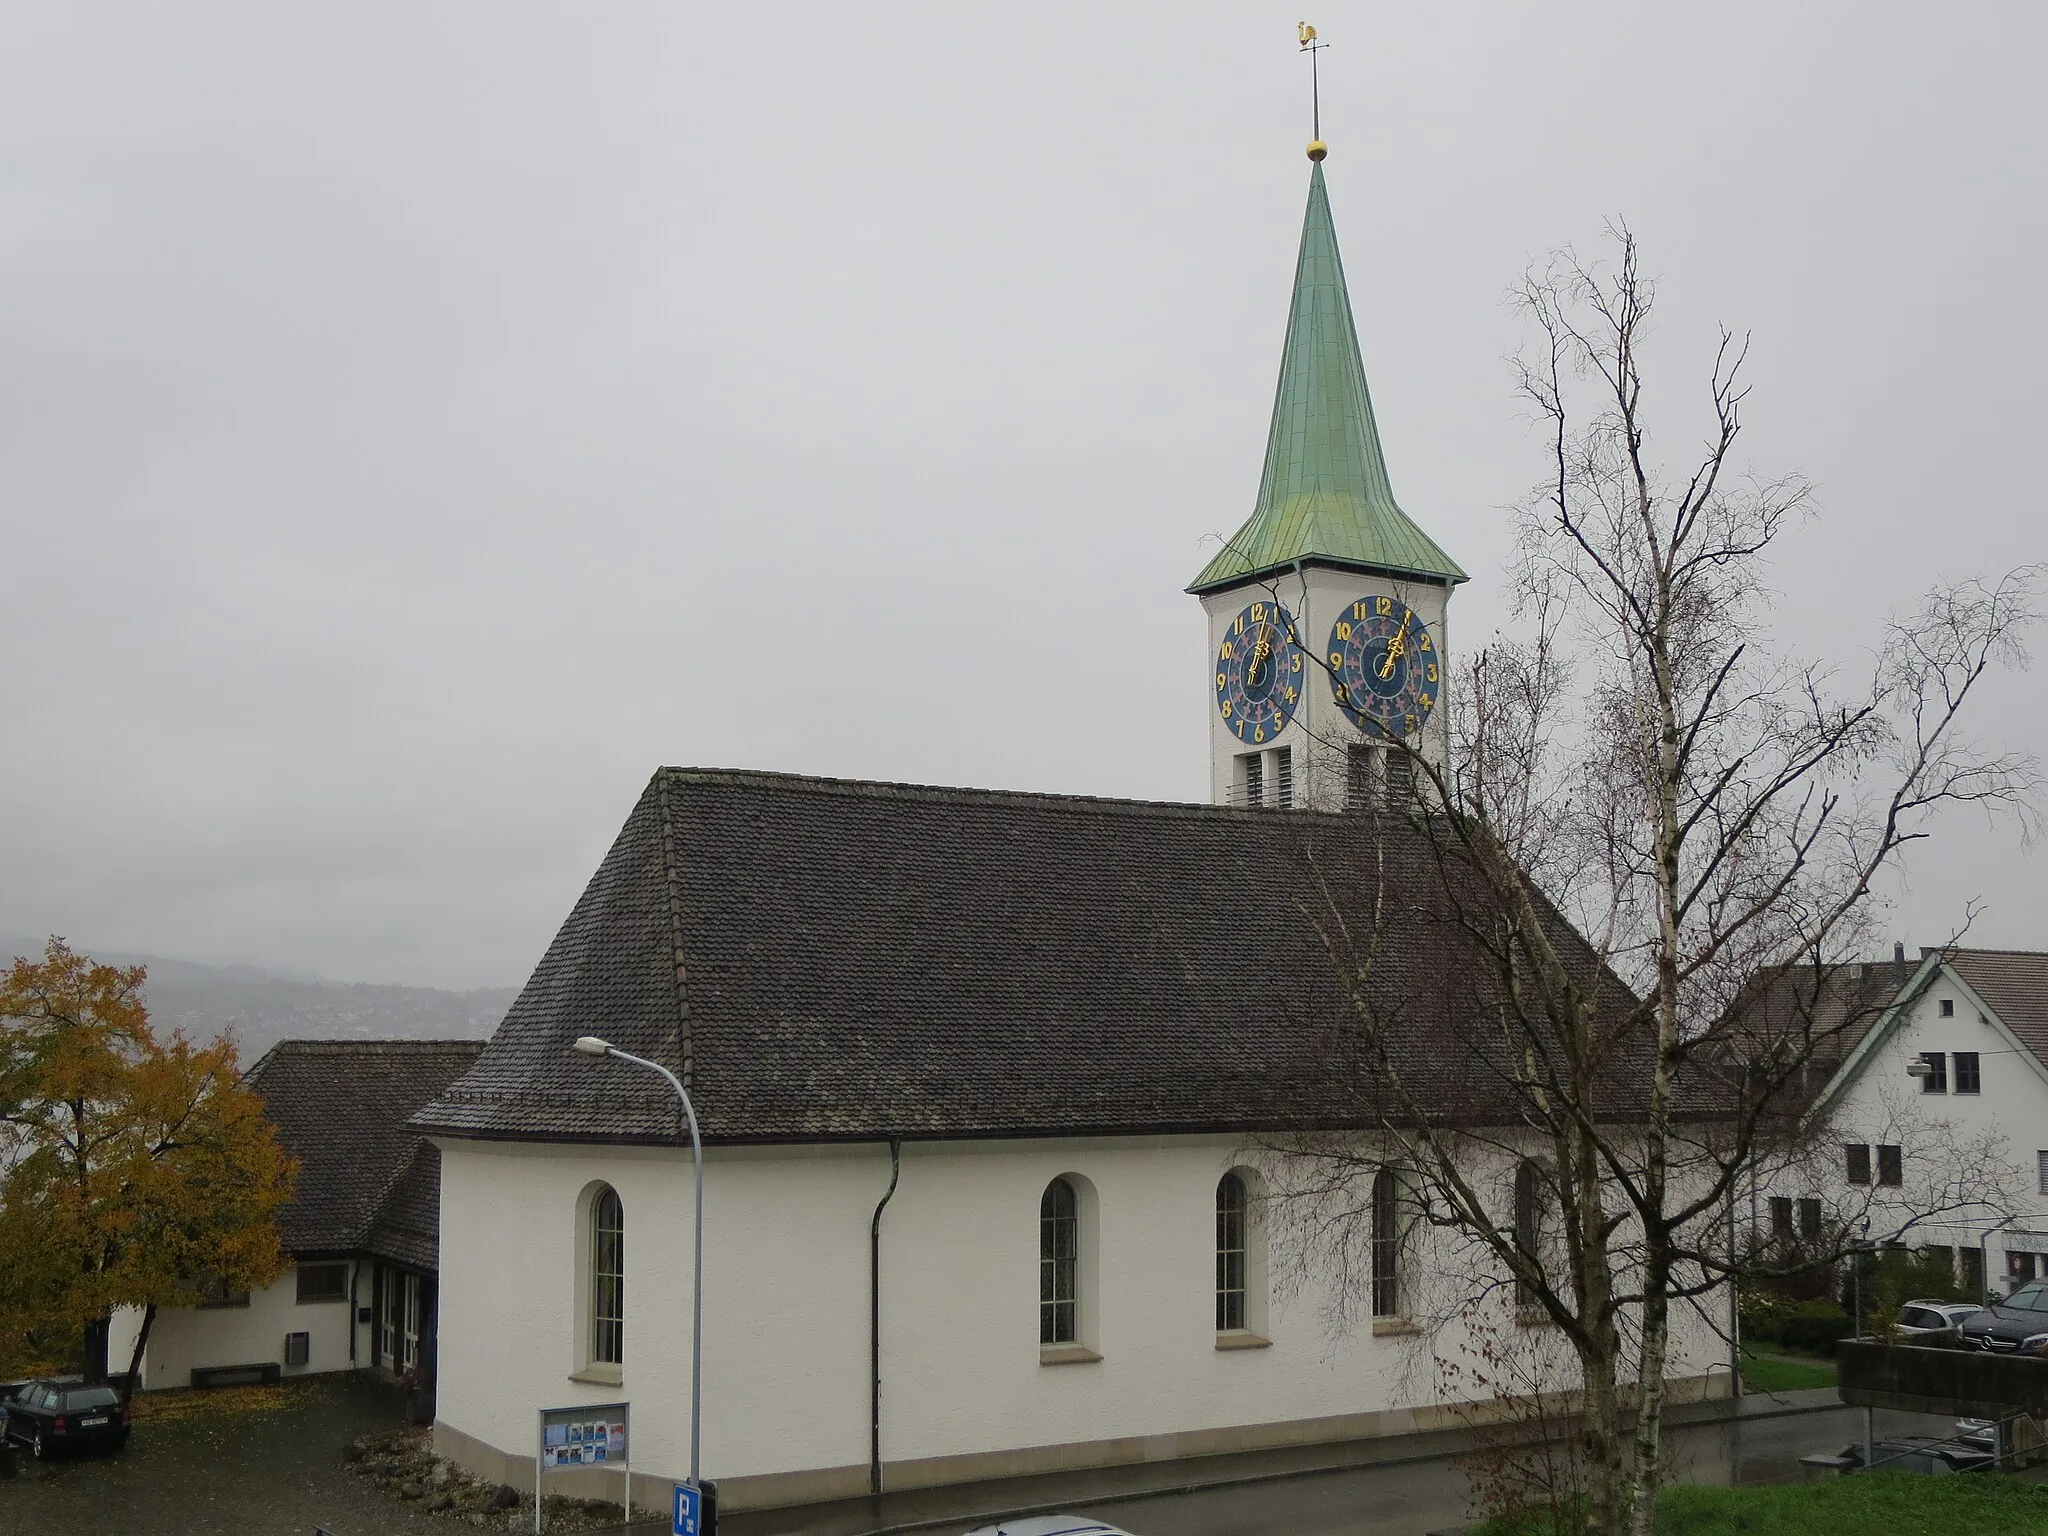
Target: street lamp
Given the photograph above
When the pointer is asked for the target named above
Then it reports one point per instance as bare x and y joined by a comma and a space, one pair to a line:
591, 1045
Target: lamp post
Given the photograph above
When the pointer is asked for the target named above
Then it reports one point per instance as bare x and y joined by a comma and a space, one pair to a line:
591, 1045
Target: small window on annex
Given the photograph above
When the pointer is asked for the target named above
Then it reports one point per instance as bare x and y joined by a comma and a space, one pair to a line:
1781, 1217
1809, 1218
1059, 1264
1890, 1167
322, 1282
607, 1279
1857, 1156
1233, 1252
1936, 1080
1967, 1079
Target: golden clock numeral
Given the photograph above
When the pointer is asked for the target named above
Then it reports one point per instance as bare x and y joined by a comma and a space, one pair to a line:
1222, 679
1432, 672
1336, 658
1224, 654
1343, 694
1343, 630
1238, 627
1422, 642
1385, 605
1296, 667
1427, 701
1259, 734
1226, 709
1258, 613
1290, 695
1358, 610
1408, 722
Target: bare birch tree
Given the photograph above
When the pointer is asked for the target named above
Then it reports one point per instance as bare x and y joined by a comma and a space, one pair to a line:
1657, 835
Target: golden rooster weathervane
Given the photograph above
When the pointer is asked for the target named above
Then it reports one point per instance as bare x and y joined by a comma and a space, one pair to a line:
1306, 36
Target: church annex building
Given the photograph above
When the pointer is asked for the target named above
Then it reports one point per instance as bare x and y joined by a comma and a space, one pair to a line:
1008, 1055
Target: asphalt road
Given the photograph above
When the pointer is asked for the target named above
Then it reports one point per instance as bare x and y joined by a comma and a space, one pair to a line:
1420, 1497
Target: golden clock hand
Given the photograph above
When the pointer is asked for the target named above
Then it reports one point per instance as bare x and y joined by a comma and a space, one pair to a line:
1262, 651
1396, 647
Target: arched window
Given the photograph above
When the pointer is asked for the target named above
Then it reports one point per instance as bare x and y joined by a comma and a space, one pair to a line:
1059, 1265
1232, 1253
607, 1278
1386, 1244
1528, 1225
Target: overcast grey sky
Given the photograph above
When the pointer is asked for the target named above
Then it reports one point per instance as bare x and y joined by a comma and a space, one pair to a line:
419, 421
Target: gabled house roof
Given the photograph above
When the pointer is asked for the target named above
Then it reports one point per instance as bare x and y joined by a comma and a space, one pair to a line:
368, 1182
2007, 989
829, 960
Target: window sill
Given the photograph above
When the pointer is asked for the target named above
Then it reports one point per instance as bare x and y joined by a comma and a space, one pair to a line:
1392, 1327
1242, 1338
1066, 1354
600, 1375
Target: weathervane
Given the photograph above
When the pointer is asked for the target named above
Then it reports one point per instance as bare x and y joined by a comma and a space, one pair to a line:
1306, 34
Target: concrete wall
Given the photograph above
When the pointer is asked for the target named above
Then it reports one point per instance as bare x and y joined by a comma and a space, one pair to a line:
966, 1391
182, 1338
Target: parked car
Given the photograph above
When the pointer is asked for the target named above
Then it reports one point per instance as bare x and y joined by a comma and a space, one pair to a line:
1934, 1316
2020, 1322
54, 1415
1937, 1457
1048, 1525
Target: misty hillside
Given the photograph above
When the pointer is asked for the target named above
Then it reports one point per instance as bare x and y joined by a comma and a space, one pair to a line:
264, 1007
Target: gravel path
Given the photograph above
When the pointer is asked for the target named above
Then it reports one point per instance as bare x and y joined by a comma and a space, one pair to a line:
272, 1469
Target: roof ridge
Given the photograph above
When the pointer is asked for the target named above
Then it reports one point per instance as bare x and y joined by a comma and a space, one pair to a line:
1983, 949
393, 1044
887, 789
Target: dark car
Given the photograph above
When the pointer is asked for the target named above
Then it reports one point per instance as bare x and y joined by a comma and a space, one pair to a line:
51, 1416
2018, 1323
1940, 1458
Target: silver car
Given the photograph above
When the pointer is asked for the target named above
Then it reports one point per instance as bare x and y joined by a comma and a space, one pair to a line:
1934, 1316
1048, 1525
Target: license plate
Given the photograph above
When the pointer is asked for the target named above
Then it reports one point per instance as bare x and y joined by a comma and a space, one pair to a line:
92, 1422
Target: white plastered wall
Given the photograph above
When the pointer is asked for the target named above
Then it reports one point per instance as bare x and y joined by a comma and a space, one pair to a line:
183, 1338
786, 1317
1884, 1104
1317, 597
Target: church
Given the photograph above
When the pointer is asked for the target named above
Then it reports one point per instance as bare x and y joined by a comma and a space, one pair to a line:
988, 1081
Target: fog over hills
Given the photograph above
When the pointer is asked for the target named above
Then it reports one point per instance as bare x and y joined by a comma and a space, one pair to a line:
263, 1007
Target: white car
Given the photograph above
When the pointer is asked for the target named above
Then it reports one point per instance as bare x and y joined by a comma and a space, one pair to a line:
1048, 1525
1934, 1316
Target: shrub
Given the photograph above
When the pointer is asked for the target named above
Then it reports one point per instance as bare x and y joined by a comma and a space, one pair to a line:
1813, 1326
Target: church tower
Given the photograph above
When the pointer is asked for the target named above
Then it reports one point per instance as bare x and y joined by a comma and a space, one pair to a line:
1326, 609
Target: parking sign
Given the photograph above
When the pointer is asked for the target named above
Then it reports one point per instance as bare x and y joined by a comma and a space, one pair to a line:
689, 1508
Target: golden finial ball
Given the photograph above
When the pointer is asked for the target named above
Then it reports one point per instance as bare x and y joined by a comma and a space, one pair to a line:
1317, 149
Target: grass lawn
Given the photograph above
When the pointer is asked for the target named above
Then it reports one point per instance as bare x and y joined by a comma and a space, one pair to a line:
1880, 1503
1770, 1371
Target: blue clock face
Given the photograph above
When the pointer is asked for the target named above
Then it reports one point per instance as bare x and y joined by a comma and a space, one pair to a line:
1384, 666
1259, 673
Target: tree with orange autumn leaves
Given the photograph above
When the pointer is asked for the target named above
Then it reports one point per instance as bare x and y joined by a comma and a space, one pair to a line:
134, 1171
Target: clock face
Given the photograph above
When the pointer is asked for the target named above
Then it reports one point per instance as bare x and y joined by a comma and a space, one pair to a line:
1259, 673
1384, 666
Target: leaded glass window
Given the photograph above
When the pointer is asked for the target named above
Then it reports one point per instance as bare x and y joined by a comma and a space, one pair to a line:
1231, 1204
1059, 1265
607, 1279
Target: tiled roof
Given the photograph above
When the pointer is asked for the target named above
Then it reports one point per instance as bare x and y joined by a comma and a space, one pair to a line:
831, 960
341, 1108
2015, 983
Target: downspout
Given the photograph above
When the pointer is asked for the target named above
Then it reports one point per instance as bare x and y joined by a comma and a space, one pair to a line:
875, 1322
355, 1274
1734, 1299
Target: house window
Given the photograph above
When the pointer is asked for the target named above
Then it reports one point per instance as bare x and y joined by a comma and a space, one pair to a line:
390, 1306
1967, 1080
1386, 1244
415, 1321
216, 1294
1889, 1169
1809, 1218
1059, 1264
1781, 1218
607, 1279
1936, 1080
1231, 1254
1528, 1226
1973, 1270
1948, 1007
1859, 1163
322, 1282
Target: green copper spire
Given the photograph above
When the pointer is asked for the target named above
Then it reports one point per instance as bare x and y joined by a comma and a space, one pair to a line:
1324, 494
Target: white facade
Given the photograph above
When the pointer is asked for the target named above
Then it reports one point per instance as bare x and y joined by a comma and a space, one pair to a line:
967, 1390
1317, 736
183, 1339
1944, 1137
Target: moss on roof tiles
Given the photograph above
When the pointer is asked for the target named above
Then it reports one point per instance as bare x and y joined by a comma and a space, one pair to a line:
1324, 494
